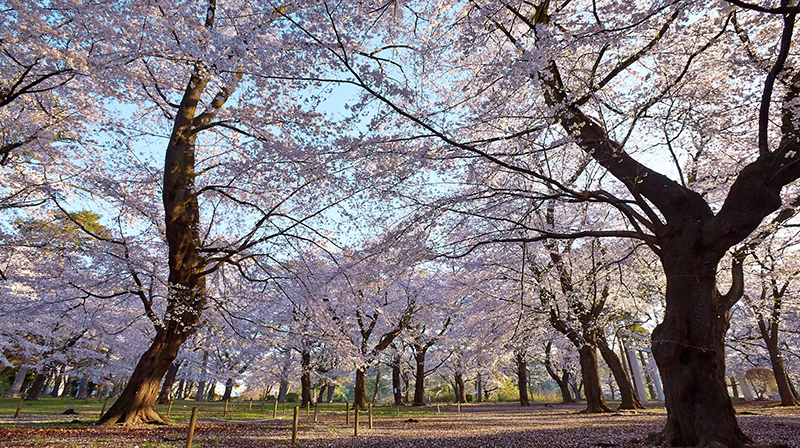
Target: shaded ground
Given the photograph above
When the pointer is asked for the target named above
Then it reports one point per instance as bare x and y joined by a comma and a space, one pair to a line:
477, 426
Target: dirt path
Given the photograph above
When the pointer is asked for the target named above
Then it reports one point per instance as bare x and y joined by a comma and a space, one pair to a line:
477, 426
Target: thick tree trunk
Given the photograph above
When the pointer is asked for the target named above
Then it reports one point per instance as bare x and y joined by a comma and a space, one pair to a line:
461, 393
419, 380
595, 401
522, 380
137, 403
360, 399
689, 350
68, 387
629, 400
397, 390
169, 380
36, 388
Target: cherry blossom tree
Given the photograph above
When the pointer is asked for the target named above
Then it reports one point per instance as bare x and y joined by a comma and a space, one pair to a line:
616, 81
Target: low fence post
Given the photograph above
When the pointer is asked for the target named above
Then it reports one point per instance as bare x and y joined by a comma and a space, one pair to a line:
192, 423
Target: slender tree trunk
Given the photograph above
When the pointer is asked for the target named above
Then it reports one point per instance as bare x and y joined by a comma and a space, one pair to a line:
629, 400
377, 383
419, 380
769, 333
228, 390
57, 385
19, 378
522, 380
331, 391
479, 388
562, 380
321, 394
305, 379
201, 385
396, 383
211, 395
360, 399
595, 401
180, 394
166, 388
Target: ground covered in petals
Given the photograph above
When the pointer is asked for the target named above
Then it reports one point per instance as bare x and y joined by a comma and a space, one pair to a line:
476, 426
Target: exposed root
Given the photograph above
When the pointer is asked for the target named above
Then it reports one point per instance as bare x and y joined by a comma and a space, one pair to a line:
148, 415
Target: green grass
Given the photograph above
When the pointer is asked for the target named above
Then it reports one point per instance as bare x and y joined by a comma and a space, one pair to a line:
89, 410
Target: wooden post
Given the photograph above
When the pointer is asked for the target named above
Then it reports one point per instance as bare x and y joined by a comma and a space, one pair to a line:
105, 403
370, 416
19, 407
315, 412
192, 423
346, 413
295, 418
169, 408
251, 405
308, 409
459, 407
355, 420
438, 412
275, 410
225, 412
